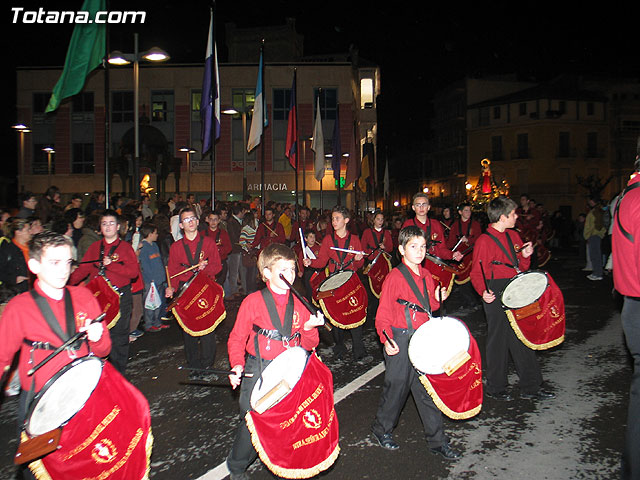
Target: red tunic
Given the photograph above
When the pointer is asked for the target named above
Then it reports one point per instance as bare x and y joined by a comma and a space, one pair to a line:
437, 234
266, 236
486, 250
626, 255
120, 272
326, 253
390, 313
253, 311
527, 223
21, 319
460, 228
369, 243
223, 242
178, 258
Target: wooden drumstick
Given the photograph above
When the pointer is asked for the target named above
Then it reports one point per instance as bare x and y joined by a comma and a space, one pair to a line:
304, 301
72, 340
166, 269
484, 277
193, 267
389, 339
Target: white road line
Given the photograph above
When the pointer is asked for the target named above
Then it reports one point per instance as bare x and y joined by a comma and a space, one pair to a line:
221, 470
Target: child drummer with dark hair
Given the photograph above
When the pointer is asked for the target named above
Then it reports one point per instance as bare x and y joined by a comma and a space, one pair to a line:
407, 299
268, 322
500, 254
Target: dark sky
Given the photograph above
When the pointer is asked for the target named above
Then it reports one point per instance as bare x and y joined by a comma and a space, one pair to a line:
420, 46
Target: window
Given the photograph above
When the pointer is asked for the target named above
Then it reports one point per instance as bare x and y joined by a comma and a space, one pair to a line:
366, 93
562, 107
40, 102
496, 148
162, 106
122, 107
242, 100
590, 108
483, 117
496, 113
82, 102
83, 159
523, 109
328, 103
280, 115
563, 144
196, 102
592, 144
523, 145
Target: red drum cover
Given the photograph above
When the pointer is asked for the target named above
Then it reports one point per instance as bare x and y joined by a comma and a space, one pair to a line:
298, 437
464, 269
315, 281
108, 298
440, 274
345, 304
541, 325
200, 308
109, 438
378, 272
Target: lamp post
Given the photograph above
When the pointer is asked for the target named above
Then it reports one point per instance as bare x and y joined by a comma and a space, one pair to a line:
50, 151
188, 151
21, 129
243, 113
154, 54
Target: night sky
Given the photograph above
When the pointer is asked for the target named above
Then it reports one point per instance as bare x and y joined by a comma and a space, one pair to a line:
420, 47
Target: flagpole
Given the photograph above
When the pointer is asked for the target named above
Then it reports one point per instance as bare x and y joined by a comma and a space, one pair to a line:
297, 137
264, 99
212, 134
107, 116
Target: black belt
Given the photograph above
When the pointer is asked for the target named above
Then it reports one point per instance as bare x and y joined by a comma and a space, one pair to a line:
413, 306
276, 335
44, 345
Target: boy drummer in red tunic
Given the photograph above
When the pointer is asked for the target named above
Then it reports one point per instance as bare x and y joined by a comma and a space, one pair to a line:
500, 254
412, 285
270, 320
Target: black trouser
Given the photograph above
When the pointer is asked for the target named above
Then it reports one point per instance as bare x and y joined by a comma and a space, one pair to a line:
400, 378
200, 351
22, 415
502, 341
242, 452
359, 350
222, 275
120, 332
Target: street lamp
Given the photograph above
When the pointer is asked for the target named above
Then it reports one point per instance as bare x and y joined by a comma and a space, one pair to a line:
21, 129
188, 151
243, 113
50, 151
154, 54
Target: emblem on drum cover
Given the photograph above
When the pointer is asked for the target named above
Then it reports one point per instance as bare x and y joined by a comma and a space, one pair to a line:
81, 317
202, 303
104, 451
554, 312
312, 419
353, 301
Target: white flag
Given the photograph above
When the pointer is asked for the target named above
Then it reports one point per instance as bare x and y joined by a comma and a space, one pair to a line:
317, 145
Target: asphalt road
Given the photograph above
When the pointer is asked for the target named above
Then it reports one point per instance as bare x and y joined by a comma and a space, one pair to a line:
578, 434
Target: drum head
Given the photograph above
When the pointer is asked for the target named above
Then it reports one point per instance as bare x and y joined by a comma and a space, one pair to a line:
63, 395
287, 366
524, 289
335, 281
436, 342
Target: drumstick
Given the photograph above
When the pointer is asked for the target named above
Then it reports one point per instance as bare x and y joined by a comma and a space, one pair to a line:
72, 340
304, 301
456, 245
484, 277
355, 252
166, 269
302, 244
217, 371
267, 226
389, 339
193, 267
445, 225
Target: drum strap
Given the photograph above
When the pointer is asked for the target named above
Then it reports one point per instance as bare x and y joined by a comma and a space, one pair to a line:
422, 298
460, 235
512, 256
111, 252
616, 214
283, 328
341, 255
190, 259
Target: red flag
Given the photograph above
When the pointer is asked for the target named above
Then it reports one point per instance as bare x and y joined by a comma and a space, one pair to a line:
291, 147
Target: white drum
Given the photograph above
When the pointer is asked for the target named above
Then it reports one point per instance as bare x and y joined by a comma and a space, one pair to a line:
438, 345
524, 289
335, 281
279, 378
63, 395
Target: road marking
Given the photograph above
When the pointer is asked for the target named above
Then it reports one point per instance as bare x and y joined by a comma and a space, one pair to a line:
221, 471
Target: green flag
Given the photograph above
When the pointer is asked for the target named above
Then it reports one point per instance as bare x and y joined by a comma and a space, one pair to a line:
86, 51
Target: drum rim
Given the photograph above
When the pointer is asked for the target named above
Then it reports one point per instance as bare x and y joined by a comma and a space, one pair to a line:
426, 323
256, 386
53, 379
335, 274
520, 275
